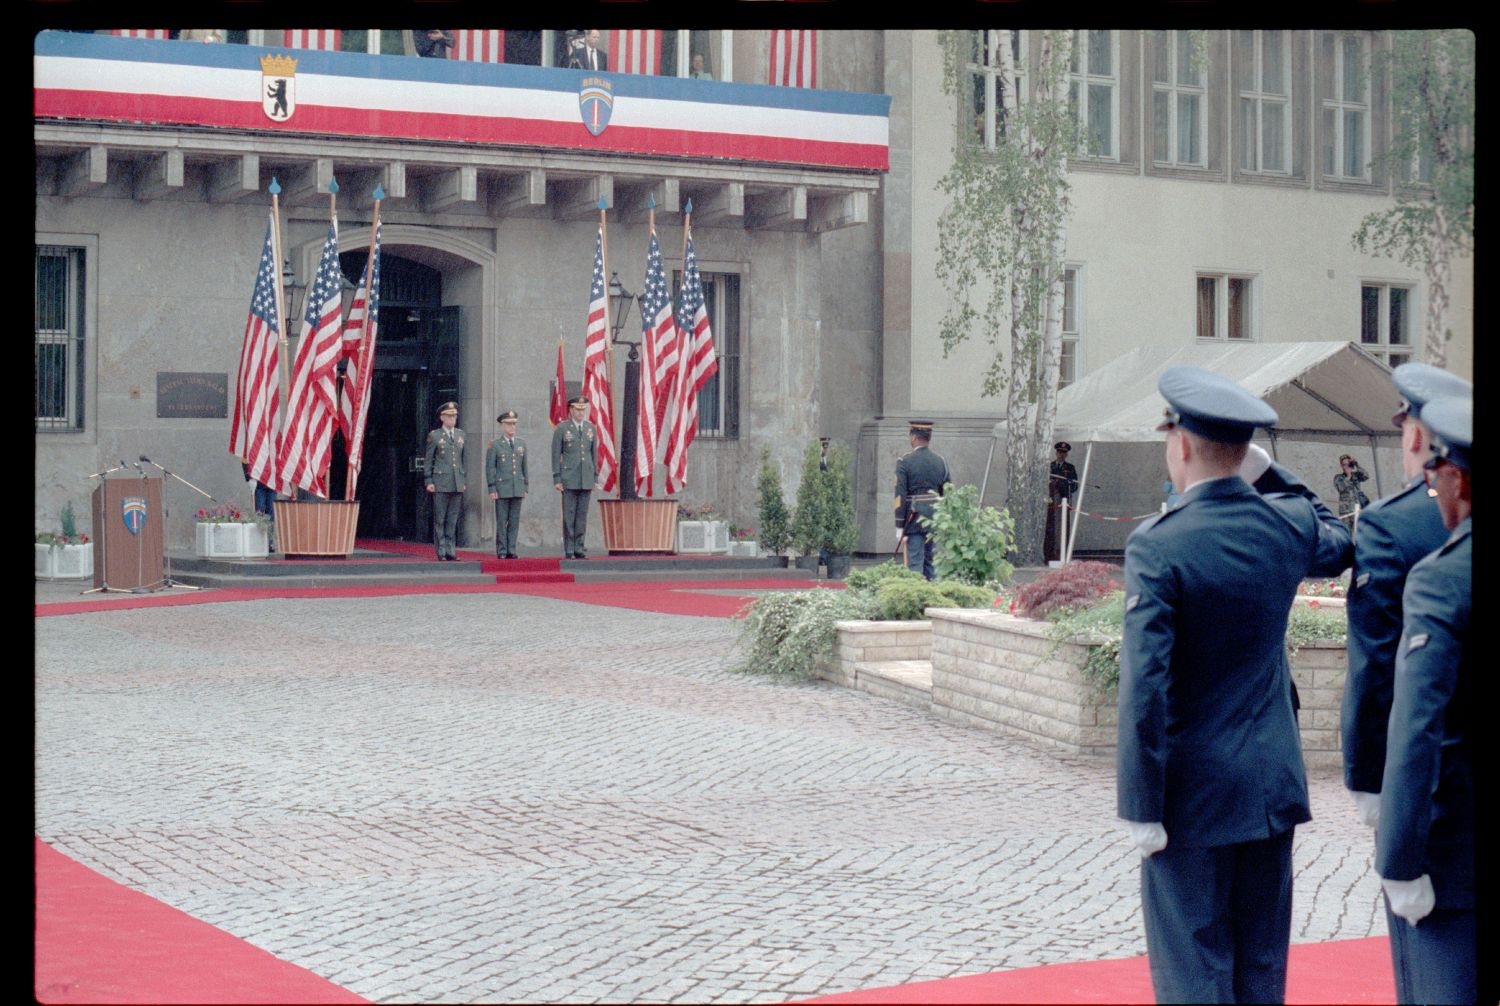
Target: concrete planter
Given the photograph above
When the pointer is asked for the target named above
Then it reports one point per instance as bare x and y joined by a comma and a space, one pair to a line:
702, 537
745, 549
871, 642
231, 541
64, 562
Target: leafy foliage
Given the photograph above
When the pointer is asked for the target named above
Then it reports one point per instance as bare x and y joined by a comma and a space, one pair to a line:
972, 540
807, 521
69, 521
775, 520
905, 600
840, 533
788, 633
1068, 588
871, 578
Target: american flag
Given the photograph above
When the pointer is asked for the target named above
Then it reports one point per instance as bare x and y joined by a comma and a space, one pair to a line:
359, 333
794, 58
252, 432
635, 50
596, 372
658, 344
314, 38
698, 364
307, 442
482, 45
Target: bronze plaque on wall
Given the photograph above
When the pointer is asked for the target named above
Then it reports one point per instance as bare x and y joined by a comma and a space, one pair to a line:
191, 396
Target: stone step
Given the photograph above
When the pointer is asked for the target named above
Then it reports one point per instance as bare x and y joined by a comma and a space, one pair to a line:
908, 681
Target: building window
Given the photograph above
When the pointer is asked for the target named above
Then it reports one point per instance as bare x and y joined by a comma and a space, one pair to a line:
379, 41
1226, 307
1343, 72
986, 112
1094, 91
1067, 371
1385, 322
719, 398
59, 338
1178, 100
1263, 77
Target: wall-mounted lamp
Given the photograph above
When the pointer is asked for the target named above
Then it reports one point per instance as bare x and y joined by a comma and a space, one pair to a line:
620, 299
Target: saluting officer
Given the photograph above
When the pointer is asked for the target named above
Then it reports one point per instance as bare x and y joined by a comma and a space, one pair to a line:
575, 471
446, 479
1209, 763
1424, 839
1393, 534
920, 478
506, 478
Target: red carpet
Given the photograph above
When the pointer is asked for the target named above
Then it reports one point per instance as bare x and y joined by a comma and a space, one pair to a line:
1343, 971
100, 942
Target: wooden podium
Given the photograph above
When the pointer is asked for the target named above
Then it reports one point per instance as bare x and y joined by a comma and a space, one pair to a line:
128, 533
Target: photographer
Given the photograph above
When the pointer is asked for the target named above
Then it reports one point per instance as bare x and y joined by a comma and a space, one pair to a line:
1346, 484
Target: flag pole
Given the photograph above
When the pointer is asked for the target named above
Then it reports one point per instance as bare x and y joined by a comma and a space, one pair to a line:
609, 327
351, 478
281, 319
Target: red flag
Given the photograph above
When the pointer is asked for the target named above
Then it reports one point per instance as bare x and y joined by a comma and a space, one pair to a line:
596, 371
359, 375
559, 397
794, 58
697, 365
313, 38
658, 353
635, 50
252, 431
481, 45
307, 442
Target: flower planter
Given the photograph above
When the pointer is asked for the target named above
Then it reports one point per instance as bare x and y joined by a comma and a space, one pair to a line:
64, 562
702, 537
838, 566
809, 562
316, 527
231, 541
745, 549
637, 525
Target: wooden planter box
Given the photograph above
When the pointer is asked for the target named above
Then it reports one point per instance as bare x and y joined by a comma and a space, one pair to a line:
702, 537
316, 527
638, 525
64, 562
231, 541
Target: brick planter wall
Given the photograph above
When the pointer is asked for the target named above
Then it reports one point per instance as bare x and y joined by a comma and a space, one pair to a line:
868, 642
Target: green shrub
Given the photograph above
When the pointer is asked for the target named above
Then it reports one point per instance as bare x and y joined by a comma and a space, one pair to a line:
788, 633
775, 520
840, 533
966, 595
69, 521
907, 600
871, 577
972, 540
807, 519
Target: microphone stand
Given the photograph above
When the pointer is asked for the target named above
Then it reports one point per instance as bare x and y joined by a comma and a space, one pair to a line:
166, 553
103, 550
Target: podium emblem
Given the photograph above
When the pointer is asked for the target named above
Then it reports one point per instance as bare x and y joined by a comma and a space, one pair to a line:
133, 512
596, 101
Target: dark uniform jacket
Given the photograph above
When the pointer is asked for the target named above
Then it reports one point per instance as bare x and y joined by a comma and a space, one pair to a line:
575, 455
505, 468
922, 472
1427, 793
445, 461
1393, 535
1208, 741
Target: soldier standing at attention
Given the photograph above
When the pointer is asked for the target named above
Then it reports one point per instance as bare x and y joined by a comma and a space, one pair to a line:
1424, 837
575, 470
1209, 767
920, 478
505, 477
446, 480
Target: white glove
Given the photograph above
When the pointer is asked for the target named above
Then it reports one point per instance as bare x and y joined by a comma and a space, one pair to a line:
1255, 464
1410, 899
1368, 807
1149, 837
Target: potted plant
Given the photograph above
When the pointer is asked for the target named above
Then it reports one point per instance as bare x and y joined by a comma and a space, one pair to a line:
64, 554
840, 534
701, 530
229, 532
807, 519
742, 541
775, 530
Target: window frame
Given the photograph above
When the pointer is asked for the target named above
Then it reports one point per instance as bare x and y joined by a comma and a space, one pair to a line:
727, 384
1175, 90
82, 255
1072, 298
992, 127
1079, 82
1258, 97
1223, 280
1383, 349
1332, 100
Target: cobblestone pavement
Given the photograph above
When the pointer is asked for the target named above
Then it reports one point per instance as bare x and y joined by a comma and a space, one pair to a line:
471, 798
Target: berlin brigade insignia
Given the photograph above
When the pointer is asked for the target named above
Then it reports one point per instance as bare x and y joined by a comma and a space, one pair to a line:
896, 504
278, 87
133, 512
595, 102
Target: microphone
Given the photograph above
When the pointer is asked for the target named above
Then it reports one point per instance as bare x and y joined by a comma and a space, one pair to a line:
147, 460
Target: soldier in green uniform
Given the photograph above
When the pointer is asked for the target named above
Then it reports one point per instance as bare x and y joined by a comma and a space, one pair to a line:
446, 480
505, 477
575, 471
920, 477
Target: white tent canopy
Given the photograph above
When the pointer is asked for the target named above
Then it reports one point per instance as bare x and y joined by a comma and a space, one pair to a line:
1316, 388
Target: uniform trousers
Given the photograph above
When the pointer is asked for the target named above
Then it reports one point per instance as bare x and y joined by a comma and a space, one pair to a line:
1218, 921
507, 524
575, 506
446, 508
919, 550
1435, 959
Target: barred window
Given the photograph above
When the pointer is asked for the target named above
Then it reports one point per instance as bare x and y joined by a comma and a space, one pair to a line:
719, 400
58, 358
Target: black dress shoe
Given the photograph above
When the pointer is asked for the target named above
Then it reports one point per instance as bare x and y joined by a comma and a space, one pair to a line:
511, 555
581, 555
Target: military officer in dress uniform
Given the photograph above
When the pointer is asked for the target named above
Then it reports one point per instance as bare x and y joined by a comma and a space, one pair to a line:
505, 477
446, 480
1209, 763
575, 471
920, 478
1424, 838
1392, 535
